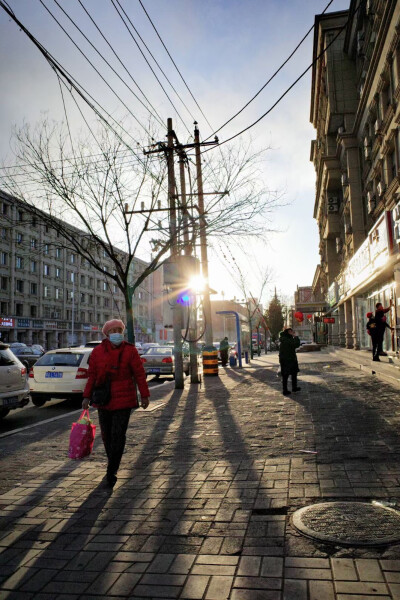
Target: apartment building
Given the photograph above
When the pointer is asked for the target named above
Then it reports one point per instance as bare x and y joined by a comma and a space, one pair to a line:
50, 295
355, 110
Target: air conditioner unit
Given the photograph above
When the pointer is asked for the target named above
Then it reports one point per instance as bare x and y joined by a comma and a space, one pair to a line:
371, 202
367, 152
339, 245
341, 130
372, 37
363, 74
344, 179
380, 188
377, 126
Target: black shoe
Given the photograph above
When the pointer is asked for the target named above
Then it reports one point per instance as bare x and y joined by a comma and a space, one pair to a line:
376, 359
382, 354
296, 389
111, 480
286, 393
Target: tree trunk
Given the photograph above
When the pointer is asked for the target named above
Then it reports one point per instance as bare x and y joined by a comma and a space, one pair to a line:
129, 317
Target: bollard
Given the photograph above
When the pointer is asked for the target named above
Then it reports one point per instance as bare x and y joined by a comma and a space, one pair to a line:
246, 356
232, 360
210, 361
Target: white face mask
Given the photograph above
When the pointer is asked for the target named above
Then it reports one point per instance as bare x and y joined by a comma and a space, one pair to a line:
116, 338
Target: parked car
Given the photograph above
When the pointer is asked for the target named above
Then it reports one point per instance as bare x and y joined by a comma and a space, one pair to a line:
38, 347
139, 348
147, 345
93, 343
27, 355
14, 387
61, 373
160, 360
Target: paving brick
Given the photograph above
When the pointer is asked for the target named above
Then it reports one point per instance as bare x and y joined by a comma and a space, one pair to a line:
394, 590
295, 589
249, 566
255, 583
343, 569
238, 594
321, 590
103, 583
299, 573
369, 570
358, 597
272, 566
38, 581
195, 587
308, 563
219, 588
212, 559
182, 564
359, 587
390, 565
213, 569
154, 591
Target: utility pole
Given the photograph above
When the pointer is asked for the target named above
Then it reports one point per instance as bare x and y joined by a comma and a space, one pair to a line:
177, 309
203, 242
194, 368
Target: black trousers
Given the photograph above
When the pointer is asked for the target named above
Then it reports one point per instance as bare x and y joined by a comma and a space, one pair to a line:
113, 426
224, 357
375, 346
285, 381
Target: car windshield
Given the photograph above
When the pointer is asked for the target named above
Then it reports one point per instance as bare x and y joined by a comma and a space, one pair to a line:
60, 359
160, 351
7, 358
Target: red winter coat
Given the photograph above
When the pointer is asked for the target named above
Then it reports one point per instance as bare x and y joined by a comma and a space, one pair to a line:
104, 360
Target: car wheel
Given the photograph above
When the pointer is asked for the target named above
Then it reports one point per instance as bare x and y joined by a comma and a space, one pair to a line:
157, 376
4, 412
39, 400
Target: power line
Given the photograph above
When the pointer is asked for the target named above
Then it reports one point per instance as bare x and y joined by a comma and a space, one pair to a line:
272, 76
92, 65
174, 63
293, 84
145, 58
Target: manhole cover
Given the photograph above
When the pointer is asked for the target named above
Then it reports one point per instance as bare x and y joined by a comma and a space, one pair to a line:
349, 523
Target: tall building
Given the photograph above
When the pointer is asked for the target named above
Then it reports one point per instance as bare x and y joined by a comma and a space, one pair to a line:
50, 295
355, 110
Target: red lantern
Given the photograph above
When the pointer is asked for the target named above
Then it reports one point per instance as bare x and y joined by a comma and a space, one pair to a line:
309, 318
299, 316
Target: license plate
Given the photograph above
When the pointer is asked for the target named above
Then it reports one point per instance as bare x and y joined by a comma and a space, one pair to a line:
153, 370
54, 374
8, 401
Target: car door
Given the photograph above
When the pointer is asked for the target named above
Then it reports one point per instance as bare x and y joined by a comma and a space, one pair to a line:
10, 372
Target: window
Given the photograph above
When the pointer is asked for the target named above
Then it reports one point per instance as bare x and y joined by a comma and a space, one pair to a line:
69, 315
46, 270
46, 249
34, 221
140, 295
105, 286
4, 308
20, 216
19, 262
115, 289
98, 300
3, 233
33, 266
72, 276
19, 286
82, 297
99, 318
20, 238
4, 208
33, 243
3, 258
106, 317
59, 293
98, 284
392, 167
83, 316
58, 253
90, 317
83, 280
33, 310
19, 310
72, 259
91, 282
4, 283
58, 273
106, 302
34, 289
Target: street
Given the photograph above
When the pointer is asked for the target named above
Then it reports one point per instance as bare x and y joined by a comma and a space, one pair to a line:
205, 495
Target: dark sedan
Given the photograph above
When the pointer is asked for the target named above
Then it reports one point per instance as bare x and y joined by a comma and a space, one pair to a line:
27, 355
160, 360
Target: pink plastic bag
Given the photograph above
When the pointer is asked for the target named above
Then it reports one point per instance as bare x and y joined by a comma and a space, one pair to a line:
82, 437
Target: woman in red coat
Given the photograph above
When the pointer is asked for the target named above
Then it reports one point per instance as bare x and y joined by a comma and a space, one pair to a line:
118, 361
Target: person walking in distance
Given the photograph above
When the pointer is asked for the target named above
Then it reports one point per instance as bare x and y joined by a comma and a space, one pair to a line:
381, 325
114, 367
288, 342
224, 349
373, 333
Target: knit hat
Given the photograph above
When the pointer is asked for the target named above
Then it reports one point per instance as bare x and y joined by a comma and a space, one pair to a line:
369, 315
111, 324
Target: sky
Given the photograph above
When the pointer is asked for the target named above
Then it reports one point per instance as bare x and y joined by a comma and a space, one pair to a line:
226, 50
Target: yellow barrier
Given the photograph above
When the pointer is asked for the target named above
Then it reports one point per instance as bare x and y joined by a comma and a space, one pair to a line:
210, 362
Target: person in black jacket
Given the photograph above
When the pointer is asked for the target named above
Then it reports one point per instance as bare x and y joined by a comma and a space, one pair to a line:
373, 333
381, 325
288, 359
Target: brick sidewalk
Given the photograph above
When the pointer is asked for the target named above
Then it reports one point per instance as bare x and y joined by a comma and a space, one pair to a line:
205, 493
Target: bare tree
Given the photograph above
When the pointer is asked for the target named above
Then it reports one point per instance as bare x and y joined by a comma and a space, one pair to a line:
89, 185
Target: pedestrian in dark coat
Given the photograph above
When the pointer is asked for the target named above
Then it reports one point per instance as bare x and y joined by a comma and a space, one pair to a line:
118, 361
381, 326
373, 333
224, 349
288, 342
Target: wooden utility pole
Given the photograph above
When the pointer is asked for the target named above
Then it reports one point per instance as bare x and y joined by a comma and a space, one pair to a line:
177, 309
192, 330
203, 242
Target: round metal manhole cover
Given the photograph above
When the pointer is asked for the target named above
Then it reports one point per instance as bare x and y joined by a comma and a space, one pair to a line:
349, 523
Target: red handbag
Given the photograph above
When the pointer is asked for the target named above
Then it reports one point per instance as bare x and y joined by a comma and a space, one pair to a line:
82, 436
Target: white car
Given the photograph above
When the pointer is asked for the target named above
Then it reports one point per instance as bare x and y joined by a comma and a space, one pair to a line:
14, 389
61, 373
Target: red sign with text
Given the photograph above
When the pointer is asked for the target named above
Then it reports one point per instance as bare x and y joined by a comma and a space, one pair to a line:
328, 319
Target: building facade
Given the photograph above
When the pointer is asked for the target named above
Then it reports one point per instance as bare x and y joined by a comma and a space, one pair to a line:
50, 295
355, 109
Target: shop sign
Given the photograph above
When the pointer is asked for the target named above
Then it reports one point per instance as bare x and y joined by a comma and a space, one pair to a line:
378, 243
359, 267
62, 325
50, 325
86, 327
37, 324
7, 322
332, 296
328, 319
95, 327
23, 323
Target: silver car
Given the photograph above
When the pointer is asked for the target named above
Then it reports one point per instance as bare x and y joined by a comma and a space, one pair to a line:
14, 387
160, 360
